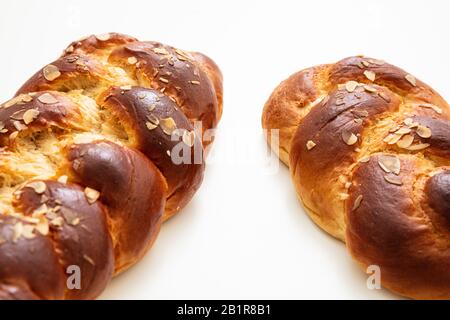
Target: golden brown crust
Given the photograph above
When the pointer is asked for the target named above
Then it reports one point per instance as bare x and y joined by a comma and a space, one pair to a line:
370, 163
96, 152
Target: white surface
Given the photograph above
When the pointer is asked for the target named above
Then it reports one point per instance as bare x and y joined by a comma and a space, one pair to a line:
244, 235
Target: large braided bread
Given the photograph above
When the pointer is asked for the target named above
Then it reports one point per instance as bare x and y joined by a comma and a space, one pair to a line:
368, 146
89, 162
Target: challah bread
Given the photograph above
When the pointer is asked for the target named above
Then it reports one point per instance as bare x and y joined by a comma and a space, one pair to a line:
368, 147
87, 163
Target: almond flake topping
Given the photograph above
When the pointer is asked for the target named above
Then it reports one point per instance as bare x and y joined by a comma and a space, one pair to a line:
423, 131
153, 119
357, 202
168, 125
350, 86
370, 75
42, 227
310, 144
393, 180
418, 147
91, 195
436, 109
30, 115
349, 137
150, 125
47, 98
51, 72
370, 89
63, 179
384, 96
364, 159
132, 60
38, 186
411, 79
103, 37
389, 163
405, 141
126, 88
188, 137
160, 51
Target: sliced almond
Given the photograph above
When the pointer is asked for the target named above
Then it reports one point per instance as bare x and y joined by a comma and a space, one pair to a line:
370, 75
405, 141
38, 186
350, 86
360, 113
310, 144
343, 196
411, 79
357, 202
431, 106
423, 131
13, 135
47, 98
57, 222
19, 126
150, 125
393, 180
51, 72
408, 121
41, 210
42, 227
75, 221
384, 96
403, 131
142, 95
349, 137
160, 51
370, 89
189, 137
63, 179
132, 60
153, 119
418, 147
126, 87
27, 232
168, 125
103, 36
389, 163
364, 159
30, 115
339, 102
91, 195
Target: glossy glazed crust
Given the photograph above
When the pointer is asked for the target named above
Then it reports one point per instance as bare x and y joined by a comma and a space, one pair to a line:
96, 152
368, 147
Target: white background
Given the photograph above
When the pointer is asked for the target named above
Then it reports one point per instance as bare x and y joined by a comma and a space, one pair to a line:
244, 235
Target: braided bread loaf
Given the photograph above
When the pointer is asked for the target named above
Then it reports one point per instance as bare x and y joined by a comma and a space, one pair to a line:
368, 148
87, 171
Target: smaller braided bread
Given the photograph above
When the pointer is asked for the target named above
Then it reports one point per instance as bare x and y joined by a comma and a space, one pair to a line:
368, 147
